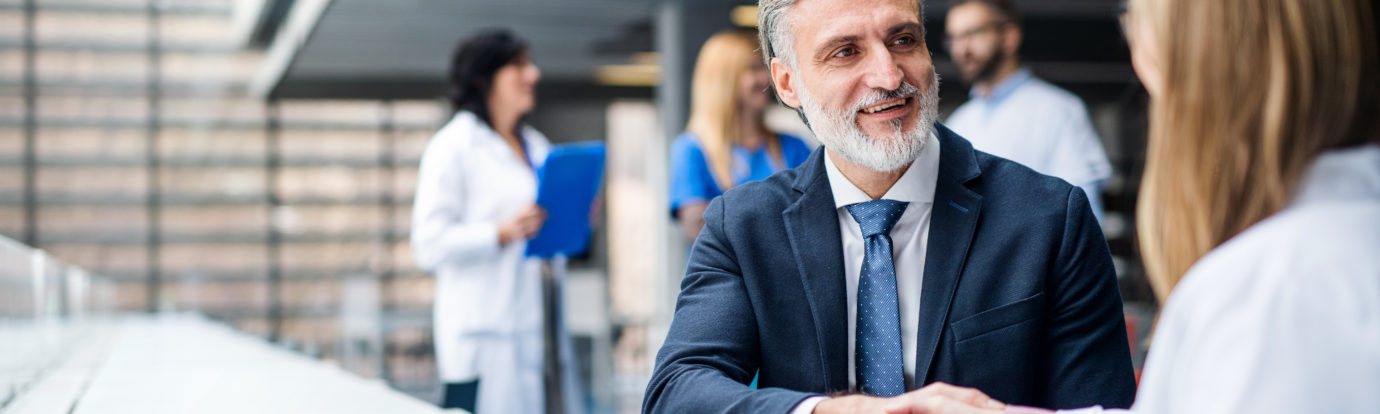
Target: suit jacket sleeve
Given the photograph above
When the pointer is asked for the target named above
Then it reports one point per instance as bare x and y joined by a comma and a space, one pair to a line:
711, 352
1088, 360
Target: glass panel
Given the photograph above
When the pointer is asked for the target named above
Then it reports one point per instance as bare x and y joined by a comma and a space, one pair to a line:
11, 60
202, 220
420, 114
217, 297
93, 109
329, 258
125, 3
210, 68
343, 145
211, 144
59, 66
214, 260
343, 220
11, 220
93, 183
12, 183
213, 182
11, 143
328, 183
12, 105
123, 261
91, 27
196, 29
91, 143
361, 113
12, 24
86, 222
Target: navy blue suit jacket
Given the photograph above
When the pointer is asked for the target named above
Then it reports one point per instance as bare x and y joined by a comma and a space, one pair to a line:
1019, 297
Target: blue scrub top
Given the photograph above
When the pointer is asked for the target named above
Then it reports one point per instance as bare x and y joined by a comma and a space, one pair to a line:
692, 182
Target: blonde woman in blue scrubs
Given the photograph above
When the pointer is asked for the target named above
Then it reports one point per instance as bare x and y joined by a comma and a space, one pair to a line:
726, 142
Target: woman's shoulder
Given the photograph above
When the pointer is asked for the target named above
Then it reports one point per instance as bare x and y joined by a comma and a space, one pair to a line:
1317, 249
686, 145
792, 141
794, 149
1290, 303
461, 131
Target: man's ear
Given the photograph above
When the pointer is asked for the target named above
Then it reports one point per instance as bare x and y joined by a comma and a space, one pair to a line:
781, 78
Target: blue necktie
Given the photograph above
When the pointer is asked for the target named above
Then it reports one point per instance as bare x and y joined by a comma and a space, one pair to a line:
878, 355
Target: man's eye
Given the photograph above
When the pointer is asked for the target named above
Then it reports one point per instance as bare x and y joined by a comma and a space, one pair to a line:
845, 52
903, 41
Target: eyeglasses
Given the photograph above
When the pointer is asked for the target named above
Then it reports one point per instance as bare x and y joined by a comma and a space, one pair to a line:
1124, 20
949, 40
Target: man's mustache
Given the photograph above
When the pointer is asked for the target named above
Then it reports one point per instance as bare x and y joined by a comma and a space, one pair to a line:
879, 96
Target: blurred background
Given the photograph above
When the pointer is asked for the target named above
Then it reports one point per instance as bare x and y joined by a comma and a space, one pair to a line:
254, 161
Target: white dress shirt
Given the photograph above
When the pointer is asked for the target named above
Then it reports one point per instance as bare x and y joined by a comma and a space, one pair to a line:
1029, 121
909, 238
1284, 317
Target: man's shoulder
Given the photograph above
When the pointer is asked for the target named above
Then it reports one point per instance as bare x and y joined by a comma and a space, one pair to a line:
963, 116
1048, 96
773, 193
1010, 183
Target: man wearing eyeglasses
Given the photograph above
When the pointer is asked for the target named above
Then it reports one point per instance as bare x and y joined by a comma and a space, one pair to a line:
1012, 113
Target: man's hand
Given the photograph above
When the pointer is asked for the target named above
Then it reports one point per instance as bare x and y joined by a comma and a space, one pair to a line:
853, 404
941, 398
936, 398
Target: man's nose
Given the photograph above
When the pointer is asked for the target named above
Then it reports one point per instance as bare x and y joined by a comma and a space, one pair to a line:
883, 72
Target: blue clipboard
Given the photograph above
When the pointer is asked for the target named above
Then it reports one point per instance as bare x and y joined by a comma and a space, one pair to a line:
566, 186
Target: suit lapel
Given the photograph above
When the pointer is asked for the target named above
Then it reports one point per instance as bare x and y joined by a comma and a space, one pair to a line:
952, 223
812, 227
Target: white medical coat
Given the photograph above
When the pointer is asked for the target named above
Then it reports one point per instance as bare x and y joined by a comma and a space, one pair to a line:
487, 318
1284, 317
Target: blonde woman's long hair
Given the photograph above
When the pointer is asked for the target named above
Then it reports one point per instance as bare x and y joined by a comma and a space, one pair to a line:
1253, 91
715, 105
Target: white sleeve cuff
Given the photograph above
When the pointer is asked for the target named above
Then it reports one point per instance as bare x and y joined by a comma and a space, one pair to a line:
807, 406
1096, 409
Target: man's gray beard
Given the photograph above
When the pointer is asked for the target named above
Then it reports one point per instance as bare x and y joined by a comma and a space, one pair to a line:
839, 131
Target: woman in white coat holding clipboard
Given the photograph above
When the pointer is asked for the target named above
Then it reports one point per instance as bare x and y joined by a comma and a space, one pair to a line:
473, 214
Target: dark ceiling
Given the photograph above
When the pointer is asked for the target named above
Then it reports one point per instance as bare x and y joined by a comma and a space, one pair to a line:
399, 49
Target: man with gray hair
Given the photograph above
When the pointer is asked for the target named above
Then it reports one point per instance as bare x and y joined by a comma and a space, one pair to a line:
896, 260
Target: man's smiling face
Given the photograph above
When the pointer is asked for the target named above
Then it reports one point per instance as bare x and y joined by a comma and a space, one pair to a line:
862, 72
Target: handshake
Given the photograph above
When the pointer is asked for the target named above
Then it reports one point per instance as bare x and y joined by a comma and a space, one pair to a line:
936, 398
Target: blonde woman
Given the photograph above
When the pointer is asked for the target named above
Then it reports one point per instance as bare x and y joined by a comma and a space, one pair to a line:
725, 143
1259, 215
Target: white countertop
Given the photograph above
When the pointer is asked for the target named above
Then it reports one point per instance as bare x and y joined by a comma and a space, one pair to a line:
188, 364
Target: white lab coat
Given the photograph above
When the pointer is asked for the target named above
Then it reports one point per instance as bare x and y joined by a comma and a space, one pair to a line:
1284, 317
488, 314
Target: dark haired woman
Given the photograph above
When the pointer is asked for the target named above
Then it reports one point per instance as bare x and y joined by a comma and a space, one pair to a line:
473, 214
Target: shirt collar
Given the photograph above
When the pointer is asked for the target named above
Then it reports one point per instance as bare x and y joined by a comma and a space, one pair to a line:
490, 137
1344, 174
1004, 88
916, 186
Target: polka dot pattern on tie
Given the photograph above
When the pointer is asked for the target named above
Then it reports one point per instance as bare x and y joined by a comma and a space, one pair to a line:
878, 354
